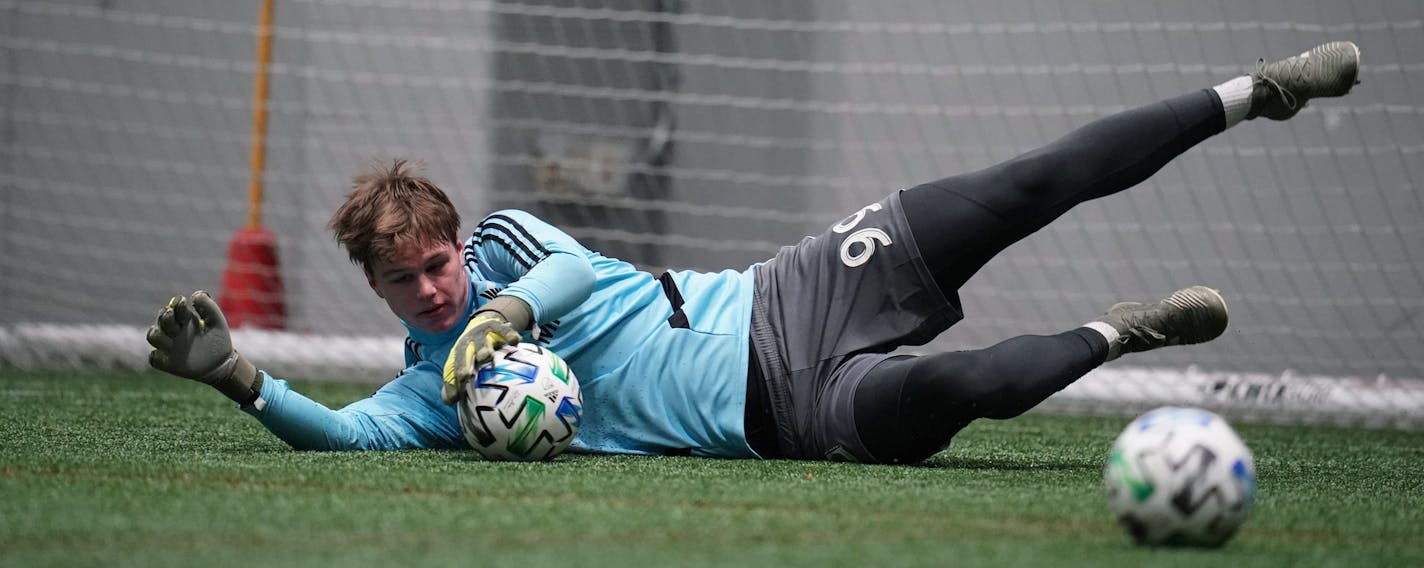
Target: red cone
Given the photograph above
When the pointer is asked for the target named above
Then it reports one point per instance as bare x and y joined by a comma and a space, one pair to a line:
252, 283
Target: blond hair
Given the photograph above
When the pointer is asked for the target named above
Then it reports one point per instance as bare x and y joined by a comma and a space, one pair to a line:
390, 206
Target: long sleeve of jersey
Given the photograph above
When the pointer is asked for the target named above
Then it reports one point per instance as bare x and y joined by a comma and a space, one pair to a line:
405, 413
536, 262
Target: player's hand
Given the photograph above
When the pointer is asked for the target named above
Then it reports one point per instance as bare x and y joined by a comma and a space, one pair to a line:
486, 333
190, 339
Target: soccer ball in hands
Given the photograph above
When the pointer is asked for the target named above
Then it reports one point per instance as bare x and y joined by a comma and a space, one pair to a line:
1180, 477
525, 406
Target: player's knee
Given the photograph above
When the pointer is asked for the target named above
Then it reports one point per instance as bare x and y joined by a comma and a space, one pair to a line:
1037, 174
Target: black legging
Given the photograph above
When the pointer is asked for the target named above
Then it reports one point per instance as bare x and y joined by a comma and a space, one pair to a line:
908, 408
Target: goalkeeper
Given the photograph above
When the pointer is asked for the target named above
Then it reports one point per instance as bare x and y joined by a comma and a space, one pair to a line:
789, 358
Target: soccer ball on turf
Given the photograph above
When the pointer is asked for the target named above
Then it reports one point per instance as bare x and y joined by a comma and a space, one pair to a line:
525, 406
1180, 477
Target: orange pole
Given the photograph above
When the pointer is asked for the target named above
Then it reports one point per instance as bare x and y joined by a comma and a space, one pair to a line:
259, 117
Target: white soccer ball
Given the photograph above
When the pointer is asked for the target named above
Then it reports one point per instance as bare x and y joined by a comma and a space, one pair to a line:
525, 406
1180, 477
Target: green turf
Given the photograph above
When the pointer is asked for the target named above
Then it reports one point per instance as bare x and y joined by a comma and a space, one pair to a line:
154, 471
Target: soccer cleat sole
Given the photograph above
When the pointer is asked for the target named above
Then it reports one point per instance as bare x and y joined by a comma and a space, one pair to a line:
1206, 308
1341, 55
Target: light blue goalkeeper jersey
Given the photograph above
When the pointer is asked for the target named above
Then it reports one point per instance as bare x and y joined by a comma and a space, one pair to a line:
662, 362
655, 379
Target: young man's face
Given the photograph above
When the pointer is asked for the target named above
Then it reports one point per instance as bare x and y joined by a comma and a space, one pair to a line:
425, 285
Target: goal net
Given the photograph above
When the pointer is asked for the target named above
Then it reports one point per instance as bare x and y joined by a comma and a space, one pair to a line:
705, 135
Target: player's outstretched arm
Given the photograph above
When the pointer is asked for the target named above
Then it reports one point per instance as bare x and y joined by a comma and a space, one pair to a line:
190, 339
406, 413
495, 325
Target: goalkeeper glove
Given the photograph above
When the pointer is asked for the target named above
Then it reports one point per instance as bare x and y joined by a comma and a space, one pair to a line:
494, 326
190, 339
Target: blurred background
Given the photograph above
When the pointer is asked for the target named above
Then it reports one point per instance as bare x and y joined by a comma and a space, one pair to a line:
704, 135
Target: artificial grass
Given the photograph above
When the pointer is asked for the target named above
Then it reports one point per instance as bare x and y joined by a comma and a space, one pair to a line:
150, 470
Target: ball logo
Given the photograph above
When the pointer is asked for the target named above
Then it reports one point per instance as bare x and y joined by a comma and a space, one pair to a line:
1194, 469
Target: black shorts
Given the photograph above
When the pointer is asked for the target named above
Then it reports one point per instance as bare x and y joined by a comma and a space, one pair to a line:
826, 311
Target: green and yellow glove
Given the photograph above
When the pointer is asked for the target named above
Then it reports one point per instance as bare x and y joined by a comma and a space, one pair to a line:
495, 325
190, 339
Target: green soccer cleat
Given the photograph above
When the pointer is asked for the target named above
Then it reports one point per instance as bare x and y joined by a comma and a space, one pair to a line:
1188, 316
1282, 88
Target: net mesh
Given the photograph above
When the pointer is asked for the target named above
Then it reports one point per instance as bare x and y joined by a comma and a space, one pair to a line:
705, 135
